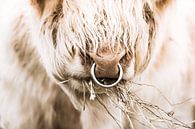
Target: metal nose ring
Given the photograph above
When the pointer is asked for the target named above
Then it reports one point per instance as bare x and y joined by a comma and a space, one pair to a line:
103, 85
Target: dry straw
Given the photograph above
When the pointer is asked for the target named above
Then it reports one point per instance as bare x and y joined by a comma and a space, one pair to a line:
138, 110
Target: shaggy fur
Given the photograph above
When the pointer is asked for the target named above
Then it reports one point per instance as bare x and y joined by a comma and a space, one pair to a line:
45, 52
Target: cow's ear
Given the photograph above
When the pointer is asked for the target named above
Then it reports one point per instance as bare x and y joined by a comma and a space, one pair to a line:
162, 4
39, 5
45, 5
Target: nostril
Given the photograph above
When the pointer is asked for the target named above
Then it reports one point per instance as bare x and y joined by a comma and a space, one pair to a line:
125, 60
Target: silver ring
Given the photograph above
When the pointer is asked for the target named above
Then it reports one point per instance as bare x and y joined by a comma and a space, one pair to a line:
103, 85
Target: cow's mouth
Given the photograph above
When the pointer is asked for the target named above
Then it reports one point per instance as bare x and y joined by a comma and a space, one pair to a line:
107, 81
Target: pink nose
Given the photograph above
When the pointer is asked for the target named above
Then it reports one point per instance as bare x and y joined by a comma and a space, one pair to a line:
106, 64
